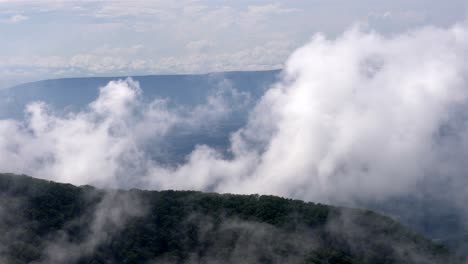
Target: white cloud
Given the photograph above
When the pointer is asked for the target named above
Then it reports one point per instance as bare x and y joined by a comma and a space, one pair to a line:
15, 19
186, 36
161, 8
362, 115
260, 13
102, 144
107, 60
200, 46
271, 55
399, 17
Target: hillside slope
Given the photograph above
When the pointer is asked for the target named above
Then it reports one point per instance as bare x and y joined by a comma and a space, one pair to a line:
426, 211
46, 222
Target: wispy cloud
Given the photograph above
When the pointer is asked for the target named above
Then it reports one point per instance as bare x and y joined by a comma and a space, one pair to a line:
187, 36
114, 127
134, 60
15, 19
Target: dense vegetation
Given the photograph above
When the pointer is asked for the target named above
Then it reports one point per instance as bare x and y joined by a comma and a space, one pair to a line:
46, 222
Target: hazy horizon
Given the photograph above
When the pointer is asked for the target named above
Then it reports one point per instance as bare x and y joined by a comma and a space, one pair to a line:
369, 108
68, 38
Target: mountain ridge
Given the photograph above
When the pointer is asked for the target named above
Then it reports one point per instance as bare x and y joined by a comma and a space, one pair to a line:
113, 77
48, 222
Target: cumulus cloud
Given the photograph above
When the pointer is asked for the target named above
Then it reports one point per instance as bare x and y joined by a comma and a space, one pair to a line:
105, 142
362, 115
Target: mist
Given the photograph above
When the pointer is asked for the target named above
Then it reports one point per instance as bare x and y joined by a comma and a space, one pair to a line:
360, 116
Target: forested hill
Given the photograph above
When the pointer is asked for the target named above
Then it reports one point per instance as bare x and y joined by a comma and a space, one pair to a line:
46, 222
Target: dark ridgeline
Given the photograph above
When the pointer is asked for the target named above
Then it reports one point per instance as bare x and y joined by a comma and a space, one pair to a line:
47, 222
426, 212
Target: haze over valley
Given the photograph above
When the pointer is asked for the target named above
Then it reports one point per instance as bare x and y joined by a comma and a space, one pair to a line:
367, 113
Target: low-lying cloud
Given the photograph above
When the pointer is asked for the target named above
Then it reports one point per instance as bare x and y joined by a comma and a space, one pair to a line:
360, 116
108, 143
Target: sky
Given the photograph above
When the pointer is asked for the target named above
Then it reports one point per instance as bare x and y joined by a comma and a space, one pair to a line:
43, 39
371, 103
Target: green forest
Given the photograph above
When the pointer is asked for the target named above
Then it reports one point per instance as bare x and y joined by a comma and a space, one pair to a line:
47, 222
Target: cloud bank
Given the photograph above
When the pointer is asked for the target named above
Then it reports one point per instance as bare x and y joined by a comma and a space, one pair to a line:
110, 142
360, 116
124, 37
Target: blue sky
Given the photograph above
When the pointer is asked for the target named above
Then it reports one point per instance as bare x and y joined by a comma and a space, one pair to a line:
44, 39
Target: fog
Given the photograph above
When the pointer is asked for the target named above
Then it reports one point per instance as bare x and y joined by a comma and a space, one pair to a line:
360, 116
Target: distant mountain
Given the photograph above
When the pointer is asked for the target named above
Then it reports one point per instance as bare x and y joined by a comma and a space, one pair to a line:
430, 215
424, 213
74, 93
46, 222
